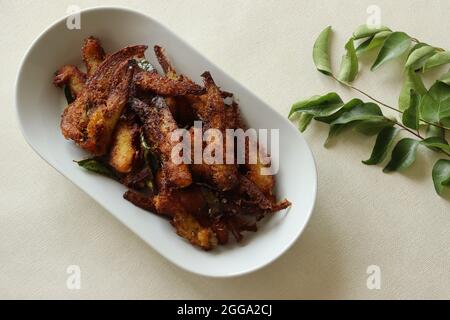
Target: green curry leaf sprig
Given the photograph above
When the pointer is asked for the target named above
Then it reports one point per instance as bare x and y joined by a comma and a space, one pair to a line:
425, 113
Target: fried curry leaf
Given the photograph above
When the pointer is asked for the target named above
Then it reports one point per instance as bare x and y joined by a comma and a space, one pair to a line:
349, 64
441, 175
382, 145
97, 166
410, 117
68, 93
395, 45
320, 52
403, 155
150, 158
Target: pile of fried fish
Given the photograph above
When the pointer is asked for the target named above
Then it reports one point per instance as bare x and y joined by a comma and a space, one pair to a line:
123, 112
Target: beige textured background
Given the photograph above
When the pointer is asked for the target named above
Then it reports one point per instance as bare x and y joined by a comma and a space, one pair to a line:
363, 216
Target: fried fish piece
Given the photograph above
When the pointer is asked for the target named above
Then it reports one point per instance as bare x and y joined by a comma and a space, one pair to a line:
211, 110
140, 200
93, 55
165, 86
124, 146
71, 76
159, 125
184, 206
90, 120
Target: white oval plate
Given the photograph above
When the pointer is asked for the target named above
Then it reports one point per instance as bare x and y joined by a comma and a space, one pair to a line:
39, 106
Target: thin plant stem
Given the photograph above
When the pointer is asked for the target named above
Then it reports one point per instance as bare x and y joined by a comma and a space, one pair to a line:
384, 104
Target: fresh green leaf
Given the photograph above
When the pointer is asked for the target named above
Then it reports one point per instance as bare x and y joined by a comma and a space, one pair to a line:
372, 43
365, 111
382, 145
412, 81
345, 107
68, 94
320, 52
97, 166
446, 78
304, 121
441, 175
411, 116
365, 31
418, 57
372, 126
320, 106
349, 64
435, 105
403, 155
394, 46
433, 131
335, 130
437, 60
436, 143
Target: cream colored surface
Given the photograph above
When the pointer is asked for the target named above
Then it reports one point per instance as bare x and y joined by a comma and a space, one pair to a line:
363, 217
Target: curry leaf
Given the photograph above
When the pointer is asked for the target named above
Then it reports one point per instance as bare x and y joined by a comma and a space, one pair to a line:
437, 60
97, 166
321, 106
372, 43
403, 155
320, 52
394, 46
436, 143
304, 121
446, 78
418, 57
344, 108
435, 105
349, 65
412, 81
382, 145
372, 126
410, 117
365, 111
441, 175
366, 30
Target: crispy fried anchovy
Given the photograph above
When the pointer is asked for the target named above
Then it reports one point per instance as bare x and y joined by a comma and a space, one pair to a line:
93, 55
71, 76
90, 120
158, 128
165, 86
140, 200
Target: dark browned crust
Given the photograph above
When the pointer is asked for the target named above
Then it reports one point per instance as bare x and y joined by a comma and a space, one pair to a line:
164, 61
165, 86
93, 55
159, 126
71, 76
140, 200
90, 120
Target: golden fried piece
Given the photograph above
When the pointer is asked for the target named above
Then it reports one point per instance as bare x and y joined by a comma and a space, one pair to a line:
93, 55
165, 63
264, 182
140, 200
165, 86
71, 76
183, 206
124, 146
90, 120
211, 110
158, 128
